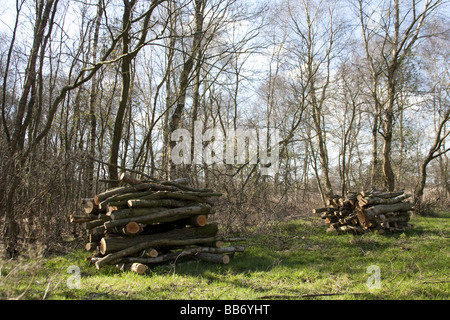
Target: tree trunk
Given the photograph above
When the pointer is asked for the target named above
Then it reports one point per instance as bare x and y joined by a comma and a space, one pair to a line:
175, 120
126, 80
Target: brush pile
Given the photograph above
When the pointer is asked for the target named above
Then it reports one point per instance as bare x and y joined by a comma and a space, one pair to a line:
366, 211
142, 223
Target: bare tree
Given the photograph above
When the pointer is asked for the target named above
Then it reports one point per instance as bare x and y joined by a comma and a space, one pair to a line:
316, 30
127, 57
388, 41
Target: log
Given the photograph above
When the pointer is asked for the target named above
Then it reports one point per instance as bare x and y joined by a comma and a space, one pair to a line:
95, 237
109, 245
117, 256
150, 253
124, 178
353, 229
80, 219
132, 228
381, 194
100, 230
213, 257
135, 267
335, 225
92, 246
394, 219
119, 190
331, 219
363, 219
197, 220
89, 206
142, 203
96, 223
183, 187
380, 209
168, 215
185, 253
320, 210
192, 196
137, 212
128, 189
364, 202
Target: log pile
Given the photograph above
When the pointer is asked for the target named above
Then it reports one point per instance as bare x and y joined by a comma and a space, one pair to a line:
142, 223
366, 211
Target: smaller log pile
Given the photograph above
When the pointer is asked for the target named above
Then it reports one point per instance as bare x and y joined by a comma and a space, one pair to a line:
143, 223
366, 211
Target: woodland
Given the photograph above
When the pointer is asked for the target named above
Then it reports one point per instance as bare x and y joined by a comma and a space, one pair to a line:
357, 90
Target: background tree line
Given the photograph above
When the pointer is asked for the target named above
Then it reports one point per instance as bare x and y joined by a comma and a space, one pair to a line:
358, 90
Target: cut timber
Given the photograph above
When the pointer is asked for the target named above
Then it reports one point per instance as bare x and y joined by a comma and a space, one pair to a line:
100, 230
198, 220
108, 245
168, 215
89, 206
128, 189
138, 212
185, 253
213, 257
380, 194
96, 223
376, 200
80, 219
139, 203
92, 246
352, 229
395, 219
121, 199
133, 228
135, 267
380, 209
363, 219
326, 209
150, 253
117, 256
192, 196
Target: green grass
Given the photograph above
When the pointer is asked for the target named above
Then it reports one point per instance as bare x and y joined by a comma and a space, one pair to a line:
291, 260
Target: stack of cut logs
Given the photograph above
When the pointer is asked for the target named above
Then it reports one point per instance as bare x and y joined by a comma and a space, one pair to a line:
369, 210
142, 223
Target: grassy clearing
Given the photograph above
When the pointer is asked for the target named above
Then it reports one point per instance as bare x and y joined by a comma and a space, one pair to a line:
290, 260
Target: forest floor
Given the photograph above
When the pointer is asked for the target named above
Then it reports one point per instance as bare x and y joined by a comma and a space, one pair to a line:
291, 260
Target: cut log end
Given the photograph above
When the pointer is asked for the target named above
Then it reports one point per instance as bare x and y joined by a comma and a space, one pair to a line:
213, 257
135, 267
133, 228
